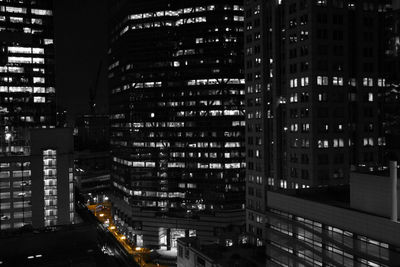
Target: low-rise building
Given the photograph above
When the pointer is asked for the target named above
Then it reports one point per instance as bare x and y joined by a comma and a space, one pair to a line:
352, 225
191, 253
36, 188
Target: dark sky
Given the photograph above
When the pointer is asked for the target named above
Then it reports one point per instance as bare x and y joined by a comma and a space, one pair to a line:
81, 43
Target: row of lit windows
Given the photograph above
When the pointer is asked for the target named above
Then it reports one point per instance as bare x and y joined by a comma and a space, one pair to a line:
18, 184
142, 164
167, 124
215, 81
24, 30
25, 50
158, 24
190, 83
157, 194
339, 81
25, 60
174, 13
16, 174
15, 204
212, 155
366, 6
23, 10
171, 13
335, 253
16, 194
367, 142
198, 103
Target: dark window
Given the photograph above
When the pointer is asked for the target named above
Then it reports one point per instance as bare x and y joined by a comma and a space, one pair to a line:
323, 159
322, 18
337, 19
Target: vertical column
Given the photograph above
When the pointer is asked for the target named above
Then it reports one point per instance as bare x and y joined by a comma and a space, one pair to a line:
169, 238
393, 178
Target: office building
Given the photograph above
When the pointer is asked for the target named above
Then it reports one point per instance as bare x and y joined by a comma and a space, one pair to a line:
315, 96
37, 189
339, 226
177, 118
35, 168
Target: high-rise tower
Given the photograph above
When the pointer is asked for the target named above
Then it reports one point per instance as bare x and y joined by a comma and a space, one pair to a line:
31, 190
315, 88
177, 118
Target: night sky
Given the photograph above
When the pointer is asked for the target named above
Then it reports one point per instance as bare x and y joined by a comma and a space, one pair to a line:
81, 43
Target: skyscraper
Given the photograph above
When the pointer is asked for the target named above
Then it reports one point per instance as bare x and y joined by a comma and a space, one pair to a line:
315, 83
27, 101
177, 118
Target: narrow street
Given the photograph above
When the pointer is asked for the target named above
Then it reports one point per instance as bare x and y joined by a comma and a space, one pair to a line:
126, 251
107, 238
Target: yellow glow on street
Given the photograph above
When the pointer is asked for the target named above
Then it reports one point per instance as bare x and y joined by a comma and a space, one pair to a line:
137, 252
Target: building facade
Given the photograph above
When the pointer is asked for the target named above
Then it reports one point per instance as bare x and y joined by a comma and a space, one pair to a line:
37, 189
191, 253
334, 227
315, 95
30, 177
177, 115
52, 174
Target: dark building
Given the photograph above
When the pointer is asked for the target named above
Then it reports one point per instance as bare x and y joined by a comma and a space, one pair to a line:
315, 96
35, 167
92, 132
80, 246
392, 93
191, 253
92, 171
92, 154
177, 118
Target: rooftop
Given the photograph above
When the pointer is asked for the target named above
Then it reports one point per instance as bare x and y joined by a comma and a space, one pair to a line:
331, 195
244, 255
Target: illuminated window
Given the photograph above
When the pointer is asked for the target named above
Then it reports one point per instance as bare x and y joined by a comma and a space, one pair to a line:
337, 81
50, 186
323, 144
322, 80
15, 9
41, 12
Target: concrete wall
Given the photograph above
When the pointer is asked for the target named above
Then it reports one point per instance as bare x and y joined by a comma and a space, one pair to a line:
396, 4
371, 193
191, 259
